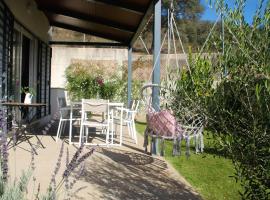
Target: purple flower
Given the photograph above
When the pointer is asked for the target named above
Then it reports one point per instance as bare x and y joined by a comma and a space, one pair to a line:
85, 156
99, 81
66, 177
72, 163
58, 164
33, 159
77, 176
4, 155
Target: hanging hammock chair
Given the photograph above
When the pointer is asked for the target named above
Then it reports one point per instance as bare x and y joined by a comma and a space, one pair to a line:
163, 124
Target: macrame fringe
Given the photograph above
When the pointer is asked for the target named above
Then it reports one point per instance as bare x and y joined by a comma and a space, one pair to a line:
162, 147
176, 146
145, 142
188, 146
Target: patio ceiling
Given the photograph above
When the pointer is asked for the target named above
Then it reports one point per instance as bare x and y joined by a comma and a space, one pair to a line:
120, 20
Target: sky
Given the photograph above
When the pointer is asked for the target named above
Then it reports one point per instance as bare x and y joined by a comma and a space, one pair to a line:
210, 14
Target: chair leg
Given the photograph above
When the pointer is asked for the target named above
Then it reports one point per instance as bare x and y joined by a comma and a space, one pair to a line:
128, 125
116, 126
128, 129
131, 130
107, 134
64, 125
112, 133
70, 130
87, 133
134, 132
81, 134
59, 130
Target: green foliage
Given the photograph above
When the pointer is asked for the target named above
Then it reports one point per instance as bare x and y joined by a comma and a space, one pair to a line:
16, 190
236, 104
28, 90
121, 92
194, 88
82, 83
208, 173
191, 9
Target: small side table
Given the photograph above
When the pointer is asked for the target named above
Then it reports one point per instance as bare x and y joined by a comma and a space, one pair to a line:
19, 106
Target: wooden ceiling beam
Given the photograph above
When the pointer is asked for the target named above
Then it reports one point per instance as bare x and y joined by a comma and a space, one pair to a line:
87, 31
90, 18
123, 5
143, 23
94, 44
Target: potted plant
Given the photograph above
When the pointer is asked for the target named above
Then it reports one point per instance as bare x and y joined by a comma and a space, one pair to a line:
29, 93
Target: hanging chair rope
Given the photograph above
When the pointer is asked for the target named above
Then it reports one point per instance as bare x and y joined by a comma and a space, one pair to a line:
158, 55
210, 33
183, 49
145, 47
171, 27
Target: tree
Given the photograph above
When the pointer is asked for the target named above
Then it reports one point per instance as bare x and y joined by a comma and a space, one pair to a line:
188, 13
184, 9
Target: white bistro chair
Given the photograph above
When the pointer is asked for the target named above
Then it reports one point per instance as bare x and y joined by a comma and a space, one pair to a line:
98, 110
129, 119
116, 118
64, 115
75, 115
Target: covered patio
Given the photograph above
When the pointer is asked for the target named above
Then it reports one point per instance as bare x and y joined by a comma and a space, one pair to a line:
124, 172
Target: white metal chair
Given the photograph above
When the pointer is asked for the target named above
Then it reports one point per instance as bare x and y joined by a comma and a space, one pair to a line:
98, 110
64, 115
74, 116
129, 119
114, 109
68, 101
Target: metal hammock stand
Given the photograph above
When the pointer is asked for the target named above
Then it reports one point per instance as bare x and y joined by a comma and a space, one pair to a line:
163, 124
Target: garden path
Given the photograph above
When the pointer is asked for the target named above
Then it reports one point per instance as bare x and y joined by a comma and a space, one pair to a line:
110, 173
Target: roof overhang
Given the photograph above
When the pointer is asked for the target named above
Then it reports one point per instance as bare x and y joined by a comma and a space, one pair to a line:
120, 21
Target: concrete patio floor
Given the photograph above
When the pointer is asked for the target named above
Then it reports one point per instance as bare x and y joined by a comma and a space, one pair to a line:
110, 173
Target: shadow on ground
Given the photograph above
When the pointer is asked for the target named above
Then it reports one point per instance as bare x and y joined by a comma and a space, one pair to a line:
122, 174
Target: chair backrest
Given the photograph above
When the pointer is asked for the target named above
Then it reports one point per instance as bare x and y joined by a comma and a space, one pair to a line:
135, 105
61, 102
95, 106
67, 97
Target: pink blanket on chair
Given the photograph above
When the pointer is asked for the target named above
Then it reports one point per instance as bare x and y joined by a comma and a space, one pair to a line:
163, 123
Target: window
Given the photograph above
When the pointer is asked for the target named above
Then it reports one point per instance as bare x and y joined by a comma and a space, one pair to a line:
24, 62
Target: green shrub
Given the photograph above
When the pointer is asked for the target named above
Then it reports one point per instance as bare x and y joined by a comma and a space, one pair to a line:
82, 83
236, 105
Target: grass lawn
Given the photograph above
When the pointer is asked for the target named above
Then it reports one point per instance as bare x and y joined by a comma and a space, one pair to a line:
207, 173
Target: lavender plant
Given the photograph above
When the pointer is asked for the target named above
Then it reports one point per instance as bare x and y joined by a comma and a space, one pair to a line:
18, 189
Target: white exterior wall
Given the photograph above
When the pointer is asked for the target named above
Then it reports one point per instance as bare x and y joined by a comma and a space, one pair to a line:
63, 55
27, 13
